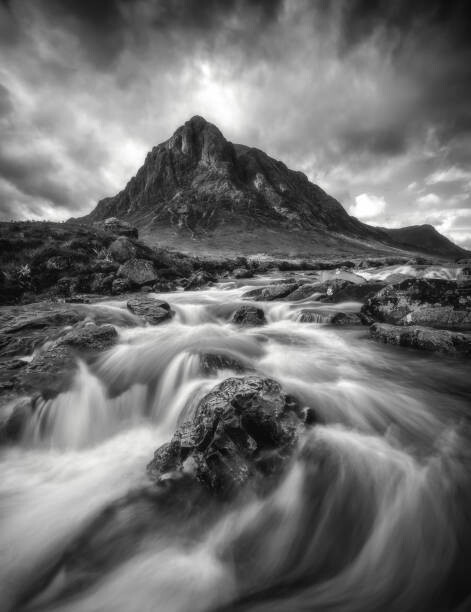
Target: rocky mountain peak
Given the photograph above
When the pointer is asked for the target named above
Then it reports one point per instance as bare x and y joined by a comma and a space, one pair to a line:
197, 187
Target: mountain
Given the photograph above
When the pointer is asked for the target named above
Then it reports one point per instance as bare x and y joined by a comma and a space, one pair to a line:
200, 192
426, 239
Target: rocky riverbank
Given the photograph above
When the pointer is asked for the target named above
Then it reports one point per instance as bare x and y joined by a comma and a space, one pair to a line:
70, 261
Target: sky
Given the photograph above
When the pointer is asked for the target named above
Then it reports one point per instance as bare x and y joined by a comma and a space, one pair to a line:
370, 98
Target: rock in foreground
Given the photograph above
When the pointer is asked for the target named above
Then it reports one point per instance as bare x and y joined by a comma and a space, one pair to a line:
244, 429
270, 293
150, 310
249, 316
437, 340
433, 302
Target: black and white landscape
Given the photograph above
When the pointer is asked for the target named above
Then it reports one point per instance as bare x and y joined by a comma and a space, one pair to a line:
235, 365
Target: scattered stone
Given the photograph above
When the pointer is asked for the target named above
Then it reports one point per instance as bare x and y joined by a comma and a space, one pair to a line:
198, 280
90, 337
425, 338
149, 309
14, 415
120, 285
270, 293
303, 292
312, 315
122, 249
436, 302
242, 273
346, 318
212, 363
249, 316
138, 272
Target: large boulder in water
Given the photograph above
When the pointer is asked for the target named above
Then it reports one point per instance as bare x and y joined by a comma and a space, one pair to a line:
138, 272
244, 429
433, 302
149, 309
52, 369
270, 293
436, 340
91, 337
249, 316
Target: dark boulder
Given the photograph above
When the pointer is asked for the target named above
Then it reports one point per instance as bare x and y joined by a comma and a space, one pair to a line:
212, 363
270, 293
242, 273
433, 302
14, 416
243, 430
425, 338
199, 280
120, 285
315, 315
90, 337
249, 316
303, 292
347, 318
52, 369
101, 283
138, 272
122, 249
149, 309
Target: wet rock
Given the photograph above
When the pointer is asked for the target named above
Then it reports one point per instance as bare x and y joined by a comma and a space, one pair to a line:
342, 290
249, 316
313, 315
444, 317
243, 430
242, 273
212, 363
303, 292
56, 318
425, 338
101, 283
91, 337
395, 278
149, 309
120, 285
138, 272
198, 280
164, 286
52, 369
435, 302
346, 318
270, 293
14, 416
24, 333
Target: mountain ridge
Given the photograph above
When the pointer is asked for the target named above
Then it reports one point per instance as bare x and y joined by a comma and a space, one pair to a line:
199, 190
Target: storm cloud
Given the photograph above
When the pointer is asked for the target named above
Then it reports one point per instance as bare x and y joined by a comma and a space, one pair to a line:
370, 98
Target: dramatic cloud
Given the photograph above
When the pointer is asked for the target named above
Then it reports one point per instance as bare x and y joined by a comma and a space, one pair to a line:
366, 97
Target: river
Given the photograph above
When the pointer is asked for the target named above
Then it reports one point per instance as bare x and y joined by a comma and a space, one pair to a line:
373, 513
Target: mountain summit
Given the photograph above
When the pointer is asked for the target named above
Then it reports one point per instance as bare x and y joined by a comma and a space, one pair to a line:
198, 190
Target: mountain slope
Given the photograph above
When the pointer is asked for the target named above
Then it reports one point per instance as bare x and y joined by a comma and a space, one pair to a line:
426, 239
198, 191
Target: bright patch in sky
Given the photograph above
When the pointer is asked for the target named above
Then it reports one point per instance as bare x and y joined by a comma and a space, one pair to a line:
367, 206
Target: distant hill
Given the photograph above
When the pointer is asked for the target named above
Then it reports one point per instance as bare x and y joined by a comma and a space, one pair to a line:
199, 192
425, 238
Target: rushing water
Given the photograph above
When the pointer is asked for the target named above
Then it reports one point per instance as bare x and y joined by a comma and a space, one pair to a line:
373, 513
